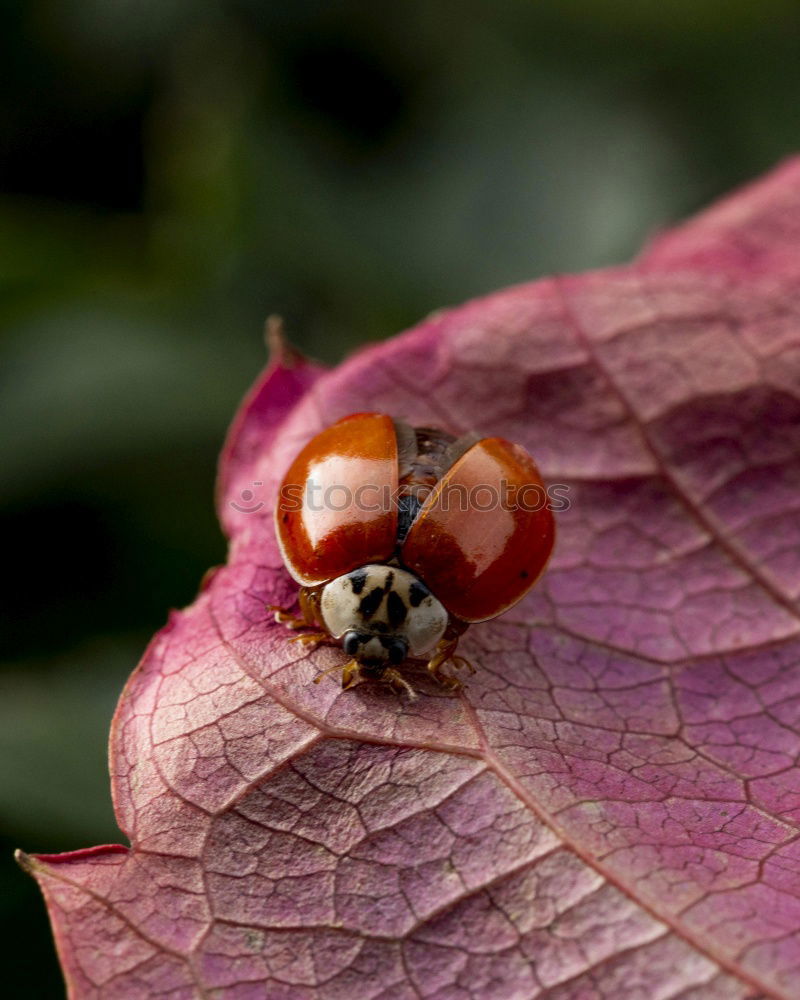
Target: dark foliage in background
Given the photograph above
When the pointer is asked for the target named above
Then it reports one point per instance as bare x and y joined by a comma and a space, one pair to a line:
172, 172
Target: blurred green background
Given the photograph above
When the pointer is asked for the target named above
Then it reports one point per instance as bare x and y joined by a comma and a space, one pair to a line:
173, 171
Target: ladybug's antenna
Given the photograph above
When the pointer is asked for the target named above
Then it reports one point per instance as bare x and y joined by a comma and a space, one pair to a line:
347, 670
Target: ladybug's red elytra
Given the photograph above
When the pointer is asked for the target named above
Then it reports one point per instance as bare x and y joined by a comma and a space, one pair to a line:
401, 537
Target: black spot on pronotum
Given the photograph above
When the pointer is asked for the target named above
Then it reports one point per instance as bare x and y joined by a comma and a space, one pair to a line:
389, 581
396, 609
417, 593
370, 604
357, 580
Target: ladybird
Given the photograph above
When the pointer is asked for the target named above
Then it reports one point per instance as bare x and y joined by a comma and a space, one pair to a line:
401, 537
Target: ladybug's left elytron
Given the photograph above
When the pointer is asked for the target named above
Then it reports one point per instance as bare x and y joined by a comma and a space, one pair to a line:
402, 537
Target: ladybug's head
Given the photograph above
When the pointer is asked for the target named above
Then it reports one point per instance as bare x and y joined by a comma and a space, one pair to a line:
375, 652
382, 614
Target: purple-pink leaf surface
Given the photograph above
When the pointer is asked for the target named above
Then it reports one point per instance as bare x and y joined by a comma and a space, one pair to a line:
610, 810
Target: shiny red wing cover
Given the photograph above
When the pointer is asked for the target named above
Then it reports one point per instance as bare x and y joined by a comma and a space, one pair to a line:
335, 510
485, 533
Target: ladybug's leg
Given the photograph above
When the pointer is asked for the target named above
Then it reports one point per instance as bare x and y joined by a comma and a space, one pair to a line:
350, 673
284, 617
307, 619
445, 651
310, 638
399, 683
307, 616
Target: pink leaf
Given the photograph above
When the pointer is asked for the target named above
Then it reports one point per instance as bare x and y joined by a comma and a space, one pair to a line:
612, 808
